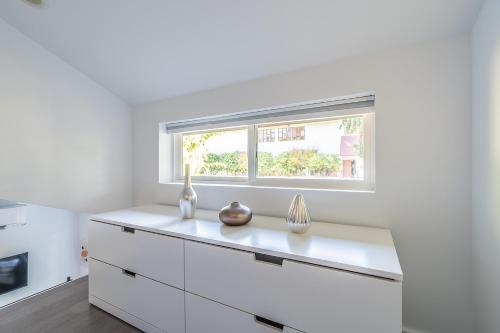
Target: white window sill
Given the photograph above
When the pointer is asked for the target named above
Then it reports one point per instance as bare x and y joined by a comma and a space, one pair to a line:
251, 186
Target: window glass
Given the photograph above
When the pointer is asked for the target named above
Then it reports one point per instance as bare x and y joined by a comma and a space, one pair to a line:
314, 149
216, 153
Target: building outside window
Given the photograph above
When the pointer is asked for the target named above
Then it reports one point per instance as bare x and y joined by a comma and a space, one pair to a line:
267, 135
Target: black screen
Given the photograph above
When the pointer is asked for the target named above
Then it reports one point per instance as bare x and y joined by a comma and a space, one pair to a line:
13, 272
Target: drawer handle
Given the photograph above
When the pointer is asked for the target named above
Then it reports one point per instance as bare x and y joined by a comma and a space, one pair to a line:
269, 259
128, 273
267, 322
128, 230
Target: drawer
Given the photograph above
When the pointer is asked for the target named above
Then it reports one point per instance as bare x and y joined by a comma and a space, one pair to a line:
155, 303
307, 297
155, 256
203, 315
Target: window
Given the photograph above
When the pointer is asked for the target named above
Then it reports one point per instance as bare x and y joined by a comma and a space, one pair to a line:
266, 134
291, 133
288, 133
331, 150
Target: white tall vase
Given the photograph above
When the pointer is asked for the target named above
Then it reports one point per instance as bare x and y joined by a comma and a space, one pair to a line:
188, 197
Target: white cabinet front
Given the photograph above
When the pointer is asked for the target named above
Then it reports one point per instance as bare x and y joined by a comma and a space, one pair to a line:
203, 316
153, 302
309, 298
156, 256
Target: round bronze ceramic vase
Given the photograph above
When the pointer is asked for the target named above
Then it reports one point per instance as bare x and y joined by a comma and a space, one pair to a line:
235, 214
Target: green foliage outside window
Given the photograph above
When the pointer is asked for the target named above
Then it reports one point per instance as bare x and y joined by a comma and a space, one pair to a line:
234, 164
294, 163
299, 162
351, 125
191, 143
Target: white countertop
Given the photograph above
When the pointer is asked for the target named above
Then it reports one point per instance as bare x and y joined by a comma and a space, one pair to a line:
358, 249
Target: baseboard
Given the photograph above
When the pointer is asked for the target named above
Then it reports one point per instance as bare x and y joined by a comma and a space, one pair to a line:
411, 330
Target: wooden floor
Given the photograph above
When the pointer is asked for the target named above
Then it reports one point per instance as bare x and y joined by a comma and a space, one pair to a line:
64, 309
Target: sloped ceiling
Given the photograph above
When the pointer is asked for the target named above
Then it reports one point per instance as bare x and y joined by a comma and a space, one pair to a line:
153, 49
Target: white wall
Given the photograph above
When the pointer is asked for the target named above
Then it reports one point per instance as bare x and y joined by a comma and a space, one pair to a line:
423, 153
51, 237
486, 165
64, 140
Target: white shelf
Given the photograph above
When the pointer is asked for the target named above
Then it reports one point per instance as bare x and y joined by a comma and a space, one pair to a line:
363, 250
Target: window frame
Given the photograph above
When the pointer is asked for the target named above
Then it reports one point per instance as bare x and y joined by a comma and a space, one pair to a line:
366, 184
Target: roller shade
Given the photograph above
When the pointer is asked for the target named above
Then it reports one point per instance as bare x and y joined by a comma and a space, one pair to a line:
326, 107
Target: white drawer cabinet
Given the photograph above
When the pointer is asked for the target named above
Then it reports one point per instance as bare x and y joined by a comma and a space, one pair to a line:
203, 316
153, 302
156, 256
303, 296
164, 274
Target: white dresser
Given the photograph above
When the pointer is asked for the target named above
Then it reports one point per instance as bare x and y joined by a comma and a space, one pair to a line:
163, 274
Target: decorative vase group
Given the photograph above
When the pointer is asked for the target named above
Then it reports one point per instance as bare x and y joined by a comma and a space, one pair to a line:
188, 198
235, 214
298, 218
